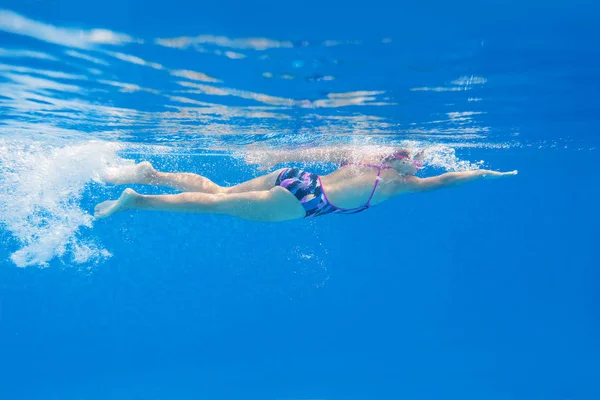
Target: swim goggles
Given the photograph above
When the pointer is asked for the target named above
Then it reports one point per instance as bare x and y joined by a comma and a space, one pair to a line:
417, 164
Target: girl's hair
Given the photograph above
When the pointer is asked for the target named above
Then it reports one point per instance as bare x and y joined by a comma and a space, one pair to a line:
395, 154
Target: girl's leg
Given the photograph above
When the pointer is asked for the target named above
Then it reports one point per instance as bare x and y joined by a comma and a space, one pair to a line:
265, 182
143, 173
276, 204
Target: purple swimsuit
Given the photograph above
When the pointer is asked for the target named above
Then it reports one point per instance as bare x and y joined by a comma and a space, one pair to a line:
308, 189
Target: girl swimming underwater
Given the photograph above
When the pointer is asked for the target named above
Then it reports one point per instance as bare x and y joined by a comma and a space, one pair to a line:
288, 193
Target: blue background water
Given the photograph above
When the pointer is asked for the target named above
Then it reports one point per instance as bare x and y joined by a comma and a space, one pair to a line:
484, 291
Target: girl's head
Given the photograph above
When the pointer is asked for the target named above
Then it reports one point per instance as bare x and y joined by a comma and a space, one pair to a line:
402, 162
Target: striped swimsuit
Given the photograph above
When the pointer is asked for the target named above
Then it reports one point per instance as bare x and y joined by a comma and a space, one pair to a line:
308, 189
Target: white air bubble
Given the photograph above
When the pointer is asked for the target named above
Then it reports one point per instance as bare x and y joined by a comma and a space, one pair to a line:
41, 185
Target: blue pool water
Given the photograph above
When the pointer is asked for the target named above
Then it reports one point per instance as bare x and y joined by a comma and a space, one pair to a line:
486, 291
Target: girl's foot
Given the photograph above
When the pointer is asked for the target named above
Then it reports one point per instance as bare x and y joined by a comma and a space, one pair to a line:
110, 207
142, 173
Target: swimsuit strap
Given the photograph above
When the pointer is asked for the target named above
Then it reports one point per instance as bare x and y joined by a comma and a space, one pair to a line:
377, 179
359, 208
368, 203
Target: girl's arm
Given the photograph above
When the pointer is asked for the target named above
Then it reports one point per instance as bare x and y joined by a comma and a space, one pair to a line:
414, 184
323, 154
269, 158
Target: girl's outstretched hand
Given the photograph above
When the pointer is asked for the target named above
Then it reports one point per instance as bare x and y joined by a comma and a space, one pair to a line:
495, 174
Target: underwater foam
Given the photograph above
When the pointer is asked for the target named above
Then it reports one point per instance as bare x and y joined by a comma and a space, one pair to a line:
41, 186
